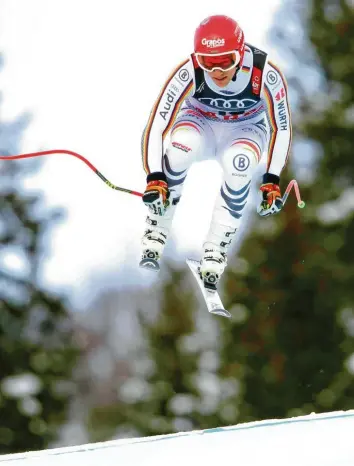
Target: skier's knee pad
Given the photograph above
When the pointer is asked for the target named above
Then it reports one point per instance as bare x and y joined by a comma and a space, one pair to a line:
185, 139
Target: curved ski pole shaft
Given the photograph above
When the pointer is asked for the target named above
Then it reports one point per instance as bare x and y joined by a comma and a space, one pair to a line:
74, 154
294, 184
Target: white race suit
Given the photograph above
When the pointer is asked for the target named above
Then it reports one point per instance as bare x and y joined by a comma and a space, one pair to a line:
234, 125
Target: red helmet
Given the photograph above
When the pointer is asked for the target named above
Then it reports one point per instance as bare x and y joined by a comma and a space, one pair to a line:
219, 34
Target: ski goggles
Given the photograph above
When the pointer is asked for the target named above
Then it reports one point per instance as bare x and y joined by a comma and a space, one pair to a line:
221, 61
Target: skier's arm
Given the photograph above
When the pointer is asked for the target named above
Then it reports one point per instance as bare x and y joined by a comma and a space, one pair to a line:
163, 114
275, 94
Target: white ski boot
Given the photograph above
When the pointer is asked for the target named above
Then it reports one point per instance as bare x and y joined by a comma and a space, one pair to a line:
214, 260
153, 243
156, 234
212, 265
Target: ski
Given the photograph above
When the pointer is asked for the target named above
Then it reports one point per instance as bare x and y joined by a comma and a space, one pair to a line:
211, 297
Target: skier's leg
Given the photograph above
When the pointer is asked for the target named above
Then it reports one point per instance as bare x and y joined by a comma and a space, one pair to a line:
186, 143
239, 160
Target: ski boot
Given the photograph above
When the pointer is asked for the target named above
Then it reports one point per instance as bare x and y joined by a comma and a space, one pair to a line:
153, 243
212, 266
214, 260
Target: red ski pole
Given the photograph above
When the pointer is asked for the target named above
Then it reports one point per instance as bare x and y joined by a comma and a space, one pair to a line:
292, 183
74, 154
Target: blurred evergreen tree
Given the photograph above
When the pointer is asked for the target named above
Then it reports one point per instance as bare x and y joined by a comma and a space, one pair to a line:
166, 398
173, 394
291, 342
36, 345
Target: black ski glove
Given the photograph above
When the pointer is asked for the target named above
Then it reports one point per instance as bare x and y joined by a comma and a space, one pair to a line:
156, 194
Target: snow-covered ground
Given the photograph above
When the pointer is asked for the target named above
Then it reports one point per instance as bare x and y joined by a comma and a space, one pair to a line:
314, 440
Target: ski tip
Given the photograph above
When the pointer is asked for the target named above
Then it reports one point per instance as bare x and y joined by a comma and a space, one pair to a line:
150, 264
221, 312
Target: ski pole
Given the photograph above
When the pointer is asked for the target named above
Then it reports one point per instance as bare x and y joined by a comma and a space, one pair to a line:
74, 154
292, 183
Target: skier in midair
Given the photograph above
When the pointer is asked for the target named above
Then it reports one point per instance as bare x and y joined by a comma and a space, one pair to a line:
228, 102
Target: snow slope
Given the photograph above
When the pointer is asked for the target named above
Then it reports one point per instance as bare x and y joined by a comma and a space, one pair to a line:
314, 440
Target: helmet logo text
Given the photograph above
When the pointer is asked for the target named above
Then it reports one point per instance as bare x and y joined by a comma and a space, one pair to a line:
212, 43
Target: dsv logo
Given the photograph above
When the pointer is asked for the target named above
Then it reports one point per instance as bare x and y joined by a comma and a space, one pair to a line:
230, 104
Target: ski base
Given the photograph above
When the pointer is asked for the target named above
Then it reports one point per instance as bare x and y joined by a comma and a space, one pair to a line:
211, 297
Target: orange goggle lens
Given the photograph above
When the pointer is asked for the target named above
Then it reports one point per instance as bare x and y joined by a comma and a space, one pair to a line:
222, 62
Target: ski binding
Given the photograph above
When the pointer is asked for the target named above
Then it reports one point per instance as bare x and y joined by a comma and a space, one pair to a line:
150, 264
210, 294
